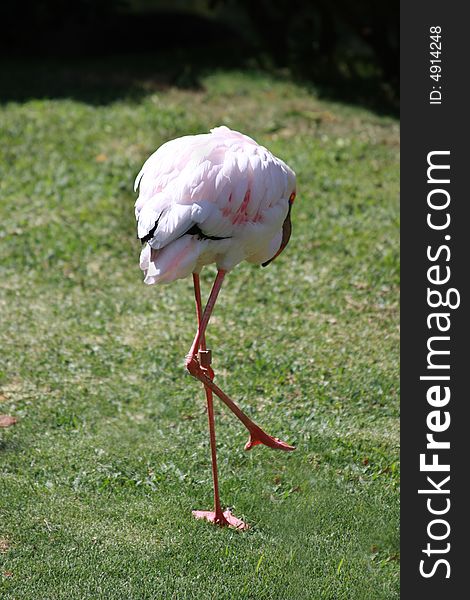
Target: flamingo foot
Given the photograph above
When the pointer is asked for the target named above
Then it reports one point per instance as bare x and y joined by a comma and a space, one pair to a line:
223, 519
258, 436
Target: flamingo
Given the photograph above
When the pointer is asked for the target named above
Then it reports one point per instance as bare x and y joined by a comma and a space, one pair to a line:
213, 198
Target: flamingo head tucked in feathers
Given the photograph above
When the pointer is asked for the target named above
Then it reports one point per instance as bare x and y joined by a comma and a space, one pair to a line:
286, 227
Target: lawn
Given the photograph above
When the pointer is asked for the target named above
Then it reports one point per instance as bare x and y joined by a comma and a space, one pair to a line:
110, 452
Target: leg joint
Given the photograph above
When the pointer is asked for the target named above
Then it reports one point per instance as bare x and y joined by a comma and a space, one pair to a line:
192, 365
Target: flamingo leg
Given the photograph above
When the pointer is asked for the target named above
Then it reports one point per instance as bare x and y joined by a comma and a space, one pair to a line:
217, 516
257, 435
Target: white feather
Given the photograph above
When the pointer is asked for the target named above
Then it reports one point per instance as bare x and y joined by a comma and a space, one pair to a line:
172, 224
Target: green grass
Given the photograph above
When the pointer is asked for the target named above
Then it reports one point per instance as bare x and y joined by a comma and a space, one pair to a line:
110, 452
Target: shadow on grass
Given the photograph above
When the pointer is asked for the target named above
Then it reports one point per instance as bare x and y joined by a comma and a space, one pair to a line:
103, 80
152, 54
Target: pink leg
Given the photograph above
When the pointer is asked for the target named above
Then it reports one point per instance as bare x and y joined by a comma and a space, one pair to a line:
197, 297
257, 435
217, 516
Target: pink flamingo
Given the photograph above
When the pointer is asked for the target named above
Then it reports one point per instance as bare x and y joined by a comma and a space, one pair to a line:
213, 198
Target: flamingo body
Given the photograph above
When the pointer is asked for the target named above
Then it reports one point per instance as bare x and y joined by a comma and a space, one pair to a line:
210, 198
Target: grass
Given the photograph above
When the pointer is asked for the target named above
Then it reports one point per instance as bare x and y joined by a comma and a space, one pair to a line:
110, 452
